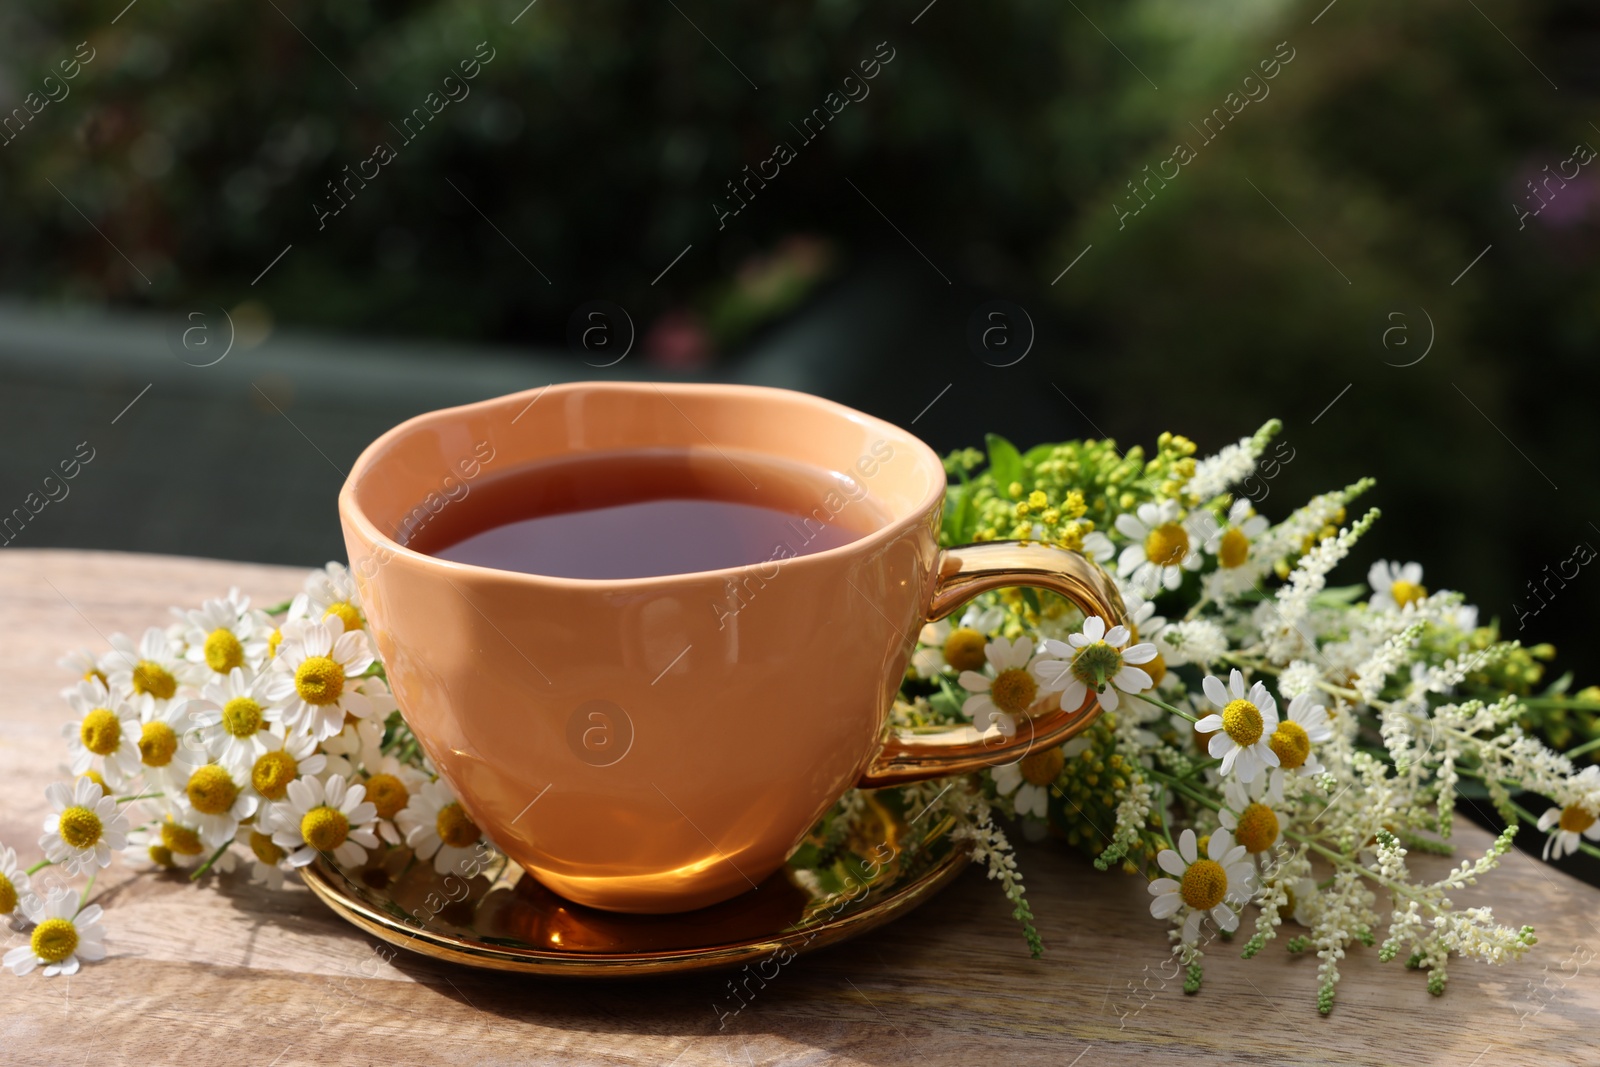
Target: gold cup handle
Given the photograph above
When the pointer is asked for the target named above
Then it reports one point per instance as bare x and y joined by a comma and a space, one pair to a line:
916, 754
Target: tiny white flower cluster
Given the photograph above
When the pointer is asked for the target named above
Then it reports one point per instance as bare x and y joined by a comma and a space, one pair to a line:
1268, 740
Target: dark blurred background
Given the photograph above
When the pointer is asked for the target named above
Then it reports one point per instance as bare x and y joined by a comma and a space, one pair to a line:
1391, 243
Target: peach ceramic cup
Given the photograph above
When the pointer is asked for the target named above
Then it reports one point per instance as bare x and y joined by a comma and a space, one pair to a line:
662, 744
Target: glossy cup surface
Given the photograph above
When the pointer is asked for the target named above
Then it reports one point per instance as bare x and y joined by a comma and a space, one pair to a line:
648, 744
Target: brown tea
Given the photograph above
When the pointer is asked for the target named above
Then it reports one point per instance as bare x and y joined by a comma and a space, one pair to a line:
646, 513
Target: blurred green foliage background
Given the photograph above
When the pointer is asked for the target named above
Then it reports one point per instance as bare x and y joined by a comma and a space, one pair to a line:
1392, 152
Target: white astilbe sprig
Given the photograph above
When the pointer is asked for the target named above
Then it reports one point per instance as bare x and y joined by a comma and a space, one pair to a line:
1232, 464
1286, 539
1374, 671
1309, 578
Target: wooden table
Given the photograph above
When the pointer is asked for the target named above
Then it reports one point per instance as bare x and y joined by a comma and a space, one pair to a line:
227, 973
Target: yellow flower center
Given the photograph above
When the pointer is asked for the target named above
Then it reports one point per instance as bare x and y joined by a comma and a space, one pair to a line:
180, 839
963, 649
95, 674
1156, 668
98, 779
54, 940
1291, 744
274, 639
1095, 664
80, 827
157, 743
212, 790
345, 613
324, 828
151, 677
101, 732
1013, 690
1204, 885
1575, 819
241, 717
223, 651
1257, 828
1405, 592
161, 856
1242, 722
1234, 548
272, 773
1165, 546
388, 794
1042, 768
8, 896
455, 828
266, 850
319, 680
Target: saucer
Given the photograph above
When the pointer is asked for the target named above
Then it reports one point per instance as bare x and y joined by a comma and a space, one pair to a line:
884, 866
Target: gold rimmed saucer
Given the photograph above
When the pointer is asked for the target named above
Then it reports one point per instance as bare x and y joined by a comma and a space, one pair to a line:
503, 920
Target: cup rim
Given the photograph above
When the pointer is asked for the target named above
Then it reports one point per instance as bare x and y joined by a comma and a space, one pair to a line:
351, 511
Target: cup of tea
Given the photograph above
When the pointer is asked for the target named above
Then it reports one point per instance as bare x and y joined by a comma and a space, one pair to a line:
651, 633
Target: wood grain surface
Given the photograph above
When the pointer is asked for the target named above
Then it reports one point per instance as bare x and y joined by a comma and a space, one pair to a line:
226, 973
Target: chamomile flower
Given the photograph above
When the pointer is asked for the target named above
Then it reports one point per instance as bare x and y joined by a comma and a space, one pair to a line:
84, 828
944, 647
149, 844
1231, 542
106, 731
329, 591
266, 866
215, 800
1303, 903
224, 634
1395, 585
1028, 780
14, 883
1094, 660
1567, 825
1254, 812
315, 677
438, 827
152, 667
164, 728
1306, 724
1241, 732
234, 717
1162, 549
288, 757
1098, 547
334, 818
997, 700
82, 663
180, 839
64, 936
350, 748
391, 785
1203, 885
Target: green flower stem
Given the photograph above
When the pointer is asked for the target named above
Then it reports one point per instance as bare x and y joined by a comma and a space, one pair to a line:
1164, 706
279, 609
1182, 786
1583, 749
139, 796
206, 866
84, 899
41, 865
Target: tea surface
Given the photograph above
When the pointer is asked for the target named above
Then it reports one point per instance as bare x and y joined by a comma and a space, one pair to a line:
643, 514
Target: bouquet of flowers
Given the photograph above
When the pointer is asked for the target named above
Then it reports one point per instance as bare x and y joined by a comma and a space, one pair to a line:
1270, 746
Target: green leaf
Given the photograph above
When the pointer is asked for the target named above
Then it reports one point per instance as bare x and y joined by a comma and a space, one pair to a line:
1038, 453
1005, 462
